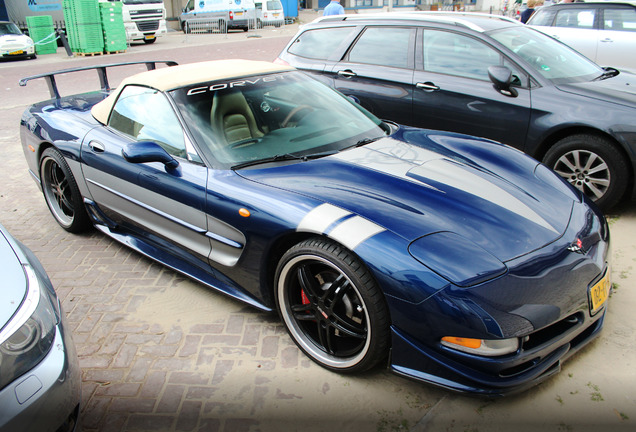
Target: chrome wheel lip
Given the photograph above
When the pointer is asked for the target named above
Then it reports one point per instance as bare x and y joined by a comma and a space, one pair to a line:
54, 191
585, 170
305, 341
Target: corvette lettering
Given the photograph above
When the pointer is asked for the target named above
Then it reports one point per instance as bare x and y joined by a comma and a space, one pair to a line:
233, 84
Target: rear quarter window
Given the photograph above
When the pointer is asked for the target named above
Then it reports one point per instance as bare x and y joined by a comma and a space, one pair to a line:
542, 17
319, 43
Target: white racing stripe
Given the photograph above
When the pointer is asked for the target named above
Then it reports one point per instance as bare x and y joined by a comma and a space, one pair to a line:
350, 232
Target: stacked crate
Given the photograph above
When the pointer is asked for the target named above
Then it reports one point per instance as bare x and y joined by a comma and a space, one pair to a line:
84, 26
113, 26
42, 31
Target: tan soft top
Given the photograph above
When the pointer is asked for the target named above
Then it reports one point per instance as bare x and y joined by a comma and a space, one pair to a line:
174, 77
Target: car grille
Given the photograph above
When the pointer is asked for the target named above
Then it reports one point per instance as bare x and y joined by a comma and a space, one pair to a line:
147, 25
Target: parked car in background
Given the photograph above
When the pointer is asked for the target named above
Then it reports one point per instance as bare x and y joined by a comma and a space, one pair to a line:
483, 75
270, 12
13, 43
39, 370
460, 261
604, 32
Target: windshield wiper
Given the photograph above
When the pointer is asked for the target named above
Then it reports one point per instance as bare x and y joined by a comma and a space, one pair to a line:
609, 73
282, 157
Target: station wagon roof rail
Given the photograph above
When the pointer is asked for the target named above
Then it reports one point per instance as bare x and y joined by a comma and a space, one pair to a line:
460, 19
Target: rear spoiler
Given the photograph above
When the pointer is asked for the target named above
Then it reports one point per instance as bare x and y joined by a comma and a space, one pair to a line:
101, 72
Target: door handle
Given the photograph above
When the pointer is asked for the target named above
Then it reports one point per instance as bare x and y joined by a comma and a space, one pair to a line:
347, 73
96, 146
606, 40
428, 86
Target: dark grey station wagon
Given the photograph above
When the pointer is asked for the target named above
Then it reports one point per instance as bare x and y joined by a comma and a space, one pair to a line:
488, 76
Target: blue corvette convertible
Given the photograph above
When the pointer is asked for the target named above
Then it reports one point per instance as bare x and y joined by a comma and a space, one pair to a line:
460, 261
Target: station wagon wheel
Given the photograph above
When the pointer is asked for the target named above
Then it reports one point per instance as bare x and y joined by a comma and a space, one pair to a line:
332, 307
61, 192
593, 165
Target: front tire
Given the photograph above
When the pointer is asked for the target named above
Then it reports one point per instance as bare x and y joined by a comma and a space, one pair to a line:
332, 307
61, 193
593, 165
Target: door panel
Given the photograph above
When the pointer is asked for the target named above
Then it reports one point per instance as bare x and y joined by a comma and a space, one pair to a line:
378, 72
453, 92
168, 204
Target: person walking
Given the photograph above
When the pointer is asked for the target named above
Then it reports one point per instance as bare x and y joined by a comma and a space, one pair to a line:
333, 8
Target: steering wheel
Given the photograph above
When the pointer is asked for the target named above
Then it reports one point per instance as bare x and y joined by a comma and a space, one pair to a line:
294, 112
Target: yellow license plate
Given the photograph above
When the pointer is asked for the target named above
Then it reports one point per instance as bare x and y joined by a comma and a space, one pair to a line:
599, 293
149, 37
16, 52
238, 14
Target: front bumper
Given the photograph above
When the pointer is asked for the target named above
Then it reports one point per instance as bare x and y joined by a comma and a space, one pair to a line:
47, 398
508, 374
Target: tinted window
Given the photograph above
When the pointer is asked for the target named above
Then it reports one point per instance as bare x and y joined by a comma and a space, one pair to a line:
384, 46
575, 18
546, 56
455, 54
320, 43
146, 115
620, 19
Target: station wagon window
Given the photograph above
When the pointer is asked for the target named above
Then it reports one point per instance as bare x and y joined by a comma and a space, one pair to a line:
319, 44
455, 54
620, 19
575, 18
383, 46
146, 115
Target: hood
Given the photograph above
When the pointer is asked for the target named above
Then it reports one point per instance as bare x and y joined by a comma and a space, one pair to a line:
14, 283
417, 183
620, 89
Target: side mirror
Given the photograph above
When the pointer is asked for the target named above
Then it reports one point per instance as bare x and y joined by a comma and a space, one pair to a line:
501, 77
148, 151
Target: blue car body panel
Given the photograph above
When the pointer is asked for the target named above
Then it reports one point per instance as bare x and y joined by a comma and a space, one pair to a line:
464, 236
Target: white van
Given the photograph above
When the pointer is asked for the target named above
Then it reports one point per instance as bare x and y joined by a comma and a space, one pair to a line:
218, 15
269, 12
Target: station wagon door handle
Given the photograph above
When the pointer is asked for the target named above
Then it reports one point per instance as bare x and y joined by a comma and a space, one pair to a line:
347, 73
606, 40
429, 86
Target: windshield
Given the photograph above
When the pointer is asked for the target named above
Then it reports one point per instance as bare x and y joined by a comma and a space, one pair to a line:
8, 28
554, 60
272, 117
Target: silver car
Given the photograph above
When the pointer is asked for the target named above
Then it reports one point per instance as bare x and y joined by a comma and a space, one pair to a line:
604, 32
39, 369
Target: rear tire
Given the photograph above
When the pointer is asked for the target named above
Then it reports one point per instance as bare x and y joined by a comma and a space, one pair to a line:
593, 165
61, 193
332, 307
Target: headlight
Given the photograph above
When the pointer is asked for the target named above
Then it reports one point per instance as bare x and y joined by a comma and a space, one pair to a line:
28, 337
485, 347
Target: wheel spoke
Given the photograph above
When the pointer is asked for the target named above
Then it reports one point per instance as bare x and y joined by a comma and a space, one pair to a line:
308, 283
596, 191
352, 329
565, 160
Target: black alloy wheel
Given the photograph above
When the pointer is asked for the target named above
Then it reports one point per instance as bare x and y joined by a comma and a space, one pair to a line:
332, 307
61, 193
